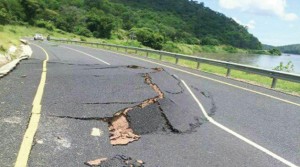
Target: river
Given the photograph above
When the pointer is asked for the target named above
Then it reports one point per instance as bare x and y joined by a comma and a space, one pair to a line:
263, 61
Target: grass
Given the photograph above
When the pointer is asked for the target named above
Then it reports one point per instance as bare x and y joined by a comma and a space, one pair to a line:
10, 35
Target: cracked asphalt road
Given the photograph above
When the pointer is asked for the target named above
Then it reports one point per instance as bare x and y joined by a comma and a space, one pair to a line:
82, 93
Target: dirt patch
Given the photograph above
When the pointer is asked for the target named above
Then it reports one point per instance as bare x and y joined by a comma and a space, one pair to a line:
154, 86
120, 132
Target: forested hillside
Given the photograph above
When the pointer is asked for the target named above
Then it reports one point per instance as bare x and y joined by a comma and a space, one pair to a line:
293, 49
151, 22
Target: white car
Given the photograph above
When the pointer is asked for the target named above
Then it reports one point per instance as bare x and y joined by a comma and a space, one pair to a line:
38, 37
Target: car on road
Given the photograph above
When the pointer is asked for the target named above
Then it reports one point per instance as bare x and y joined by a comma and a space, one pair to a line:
38, 37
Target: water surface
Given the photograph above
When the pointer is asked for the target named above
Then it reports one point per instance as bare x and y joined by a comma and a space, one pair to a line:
263, 61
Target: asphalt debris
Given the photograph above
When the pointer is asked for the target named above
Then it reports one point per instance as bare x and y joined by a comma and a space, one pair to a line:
116, 161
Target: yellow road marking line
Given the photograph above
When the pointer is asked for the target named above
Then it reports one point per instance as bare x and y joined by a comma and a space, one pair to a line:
201, 76
257, 146
87, 55
26, 145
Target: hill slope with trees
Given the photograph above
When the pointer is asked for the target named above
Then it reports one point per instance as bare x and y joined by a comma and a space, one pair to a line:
151, 22
292, 49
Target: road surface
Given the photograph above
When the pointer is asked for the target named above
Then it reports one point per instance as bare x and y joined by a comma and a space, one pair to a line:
66, 98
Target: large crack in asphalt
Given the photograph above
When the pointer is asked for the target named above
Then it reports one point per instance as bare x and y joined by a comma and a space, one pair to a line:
208, 95
149, 116
178, 84
125, 124
109, 103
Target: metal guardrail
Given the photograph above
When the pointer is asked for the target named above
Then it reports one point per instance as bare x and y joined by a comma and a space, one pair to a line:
275, 75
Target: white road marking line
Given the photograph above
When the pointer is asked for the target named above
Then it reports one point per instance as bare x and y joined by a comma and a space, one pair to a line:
210, 119
86, 54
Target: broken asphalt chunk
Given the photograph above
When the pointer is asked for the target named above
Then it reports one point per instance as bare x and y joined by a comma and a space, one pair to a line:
116, 161
146, 120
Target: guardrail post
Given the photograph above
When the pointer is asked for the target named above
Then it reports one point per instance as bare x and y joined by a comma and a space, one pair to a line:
136, 51
147, 54
274, 82
176, 62
198, 65
228, 72
160, 56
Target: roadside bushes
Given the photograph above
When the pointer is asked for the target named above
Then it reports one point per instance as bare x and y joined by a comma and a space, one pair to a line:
275, 51
45, 24
289, 67
230, 49
171, 47
4, 17
80, 30
210, 41
149, 38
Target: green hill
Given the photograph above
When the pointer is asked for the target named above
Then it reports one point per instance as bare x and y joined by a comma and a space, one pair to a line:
151, 22
292, 49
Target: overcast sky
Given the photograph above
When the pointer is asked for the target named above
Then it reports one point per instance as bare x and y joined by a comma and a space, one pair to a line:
274, 22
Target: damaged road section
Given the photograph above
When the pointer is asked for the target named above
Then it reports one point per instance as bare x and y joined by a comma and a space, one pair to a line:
121, 125
157, 114
93, 111
132, 100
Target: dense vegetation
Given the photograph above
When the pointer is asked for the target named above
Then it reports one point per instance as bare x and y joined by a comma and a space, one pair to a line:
154, 23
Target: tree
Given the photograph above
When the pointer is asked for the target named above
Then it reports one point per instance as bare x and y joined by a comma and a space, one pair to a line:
101, 26
31, 9
4, 16
149, 38
69, 18
275, 51
129, 20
